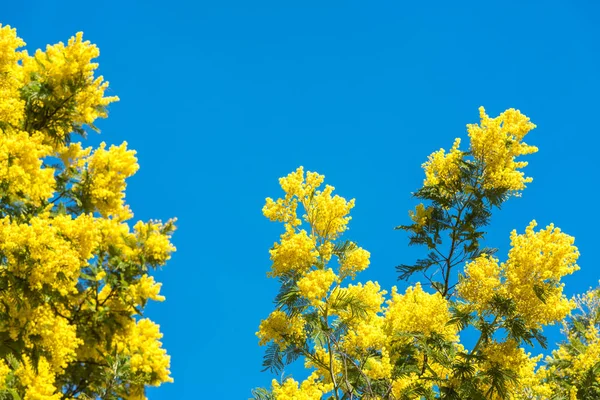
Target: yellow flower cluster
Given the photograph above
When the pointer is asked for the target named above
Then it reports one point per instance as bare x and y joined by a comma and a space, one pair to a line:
65, 67
141, 342
326, 214
401, 384
51, 258
540, 259
145, 289
11, 105
315, 285
537, 261
22, 174
496, 142
354, 261
55, 334
281, 328
379, 367
38, 381
442, 168
508, 356
295, 252
419, 312
154, 246
420, 215
481, 282
311, 389
107, 171
365, 331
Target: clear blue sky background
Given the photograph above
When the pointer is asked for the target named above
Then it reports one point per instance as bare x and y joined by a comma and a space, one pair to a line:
221, 98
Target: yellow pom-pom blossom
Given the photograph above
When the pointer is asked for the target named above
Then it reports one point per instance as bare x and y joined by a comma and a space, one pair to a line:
420, 215
11, 105
442, 168
496, 142
539, 260
22, 174
154, 246
280, 328
63, 68
145, 289
52, 258
354, 261
53, 333
508, 356
38, 381
141, 342
401, 384
311, 389
315, 285
295, 252
481, 282
107, 171
419, 312
379, 367
365, 331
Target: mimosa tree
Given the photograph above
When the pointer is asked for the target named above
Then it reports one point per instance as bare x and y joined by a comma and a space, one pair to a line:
362, 342
74, 272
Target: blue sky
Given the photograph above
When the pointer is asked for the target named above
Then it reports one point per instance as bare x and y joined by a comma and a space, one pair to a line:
221, 98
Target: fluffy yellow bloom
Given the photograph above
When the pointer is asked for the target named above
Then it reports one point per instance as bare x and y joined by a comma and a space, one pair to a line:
379, 367
369, 295
315, 284
540, 259
442, 168
22, 175
141, 342
74, 155
508, 356
145, 289
364, 334
496, 142
11, 105
64, 68
311, 389
401, 384
419, 312
328, 215
107, 171
295, 252
4, 371
353, 262
55, 334
420, 215
52, 258
38, 381
155, 246
481, 282
281, 329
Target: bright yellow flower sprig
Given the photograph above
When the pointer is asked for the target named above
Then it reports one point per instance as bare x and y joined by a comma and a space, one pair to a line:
530, 278
75, 276
573, 370
495, 143
64, 77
